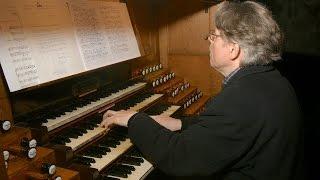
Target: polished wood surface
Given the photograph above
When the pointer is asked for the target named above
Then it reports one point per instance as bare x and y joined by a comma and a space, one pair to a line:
5, 105
197, 71
14, 136
65, 174
182, 28
18, 165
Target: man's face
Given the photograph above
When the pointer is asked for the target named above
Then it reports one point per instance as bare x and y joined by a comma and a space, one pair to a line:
218, 51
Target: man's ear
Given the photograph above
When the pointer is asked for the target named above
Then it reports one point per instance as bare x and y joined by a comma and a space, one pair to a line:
234, 50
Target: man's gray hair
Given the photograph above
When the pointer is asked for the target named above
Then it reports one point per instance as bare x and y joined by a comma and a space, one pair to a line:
251, 25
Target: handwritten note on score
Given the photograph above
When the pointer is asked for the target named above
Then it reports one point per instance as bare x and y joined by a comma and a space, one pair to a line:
45, 40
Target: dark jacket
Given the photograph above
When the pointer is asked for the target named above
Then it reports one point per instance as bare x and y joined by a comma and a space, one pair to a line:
249, 131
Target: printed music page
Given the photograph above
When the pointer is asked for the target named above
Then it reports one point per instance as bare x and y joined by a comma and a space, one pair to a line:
48, 26
104, 32
37, 42
17, 59
45, 40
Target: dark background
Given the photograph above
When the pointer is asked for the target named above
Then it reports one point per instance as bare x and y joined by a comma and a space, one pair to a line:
300, 22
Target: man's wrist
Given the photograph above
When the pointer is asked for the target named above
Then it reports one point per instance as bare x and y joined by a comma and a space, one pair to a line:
132, 118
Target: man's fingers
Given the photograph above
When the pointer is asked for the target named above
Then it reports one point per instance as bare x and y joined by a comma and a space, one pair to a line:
106, 123
103, 123
108, 113
107, 120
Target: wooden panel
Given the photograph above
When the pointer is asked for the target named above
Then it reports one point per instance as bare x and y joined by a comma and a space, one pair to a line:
5, 107
183, 26
197, 71
187, 28
143, 18
14, 136
67, 174
17, 166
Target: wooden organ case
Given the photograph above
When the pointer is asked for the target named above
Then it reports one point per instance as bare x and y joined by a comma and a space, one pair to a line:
171, 77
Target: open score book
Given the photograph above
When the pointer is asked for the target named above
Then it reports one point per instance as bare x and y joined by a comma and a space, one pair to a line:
45, 40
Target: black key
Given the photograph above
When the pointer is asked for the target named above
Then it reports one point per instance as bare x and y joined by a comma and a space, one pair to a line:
105, 177
121, 168
130, 168
117, 173
131, 160
135, 153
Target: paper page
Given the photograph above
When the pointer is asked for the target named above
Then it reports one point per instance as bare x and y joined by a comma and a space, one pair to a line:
16, 58
37, 42
48, 26
93, 45
118, 29
104, 32
44, 40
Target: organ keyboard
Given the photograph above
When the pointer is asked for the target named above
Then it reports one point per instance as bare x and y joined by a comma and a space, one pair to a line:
131, 166
162, 109
139, 102
103, 152
100, 100
115, 142
80, 134
106, 150
89, 129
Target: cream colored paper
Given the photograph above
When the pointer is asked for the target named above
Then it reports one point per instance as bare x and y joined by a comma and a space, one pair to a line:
104, 32
45, 40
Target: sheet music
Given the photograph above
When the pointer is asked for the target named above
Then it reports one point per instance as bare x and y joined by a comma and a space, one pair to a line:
92, 43
104, 32
16, 58
37, 42
44, 40
118, 28
49, 29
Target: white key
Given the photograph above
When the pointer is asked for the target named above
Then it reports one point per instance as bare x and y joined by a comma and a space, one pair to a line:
146, 167
145, 102
140, 172
111, 156
85, 138
172, 109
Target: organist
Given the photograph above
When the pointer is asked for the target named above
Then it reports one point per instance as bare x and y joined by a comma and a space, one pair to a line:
251, 129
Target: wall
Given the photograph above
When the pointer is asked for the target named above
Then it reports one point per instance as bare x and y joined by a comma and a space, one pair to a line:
182, 28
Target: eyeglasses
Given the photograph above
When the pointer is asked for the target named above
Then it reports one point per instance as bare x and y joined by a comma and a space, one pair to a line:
211, 35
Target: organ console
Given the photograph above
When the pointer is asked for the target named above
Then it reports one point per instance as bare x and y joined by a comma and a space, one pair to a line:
80, 144
51, 131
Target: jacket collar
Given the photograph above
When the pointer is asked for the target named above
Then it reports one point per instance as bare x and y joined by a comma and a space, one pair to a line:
248, 70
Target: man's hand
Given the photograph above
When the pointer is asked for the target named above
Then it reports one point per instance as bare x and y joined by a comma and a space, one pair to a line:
168, 122
120, 118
